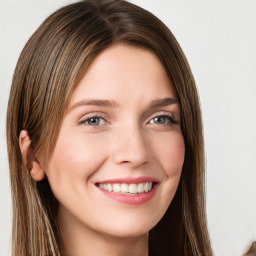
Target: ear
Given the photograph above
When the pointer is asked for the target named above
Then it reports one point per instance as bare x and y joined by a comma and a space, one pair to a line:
29, 158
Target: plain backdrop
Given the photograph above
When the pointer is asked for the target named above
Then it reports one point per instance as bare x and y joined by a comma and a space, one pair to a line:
219, 40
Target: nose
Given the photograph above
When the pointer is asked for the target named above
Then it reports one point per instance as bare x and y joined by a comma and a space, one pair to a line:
130, 147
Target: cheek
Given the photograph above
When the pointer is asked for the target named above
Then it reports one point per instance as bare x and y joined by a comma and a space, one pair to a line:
171, 153
74, 159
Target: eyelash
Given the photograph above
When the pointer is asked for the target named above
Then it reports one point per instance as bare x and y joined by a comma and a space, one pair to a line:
92, 117
169, 117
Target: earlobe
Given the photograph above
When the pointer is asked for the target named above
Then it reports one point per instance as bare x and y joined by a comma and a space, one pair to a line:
28, 157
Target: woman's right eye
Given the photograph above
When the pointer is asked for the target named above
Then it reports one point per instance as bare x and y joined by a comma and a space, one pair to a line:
94, 121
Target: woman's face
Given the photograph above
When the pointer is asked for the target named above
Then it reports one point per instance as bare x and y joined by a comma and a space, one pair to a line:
119, 137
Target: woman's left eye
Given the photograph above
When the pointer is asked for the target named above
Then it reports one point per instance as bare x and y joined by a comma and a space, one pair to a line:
94, 121
163, 119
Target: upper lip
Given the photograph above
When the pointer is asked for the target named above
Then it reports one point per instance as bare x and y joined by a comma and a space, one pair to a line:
130, 180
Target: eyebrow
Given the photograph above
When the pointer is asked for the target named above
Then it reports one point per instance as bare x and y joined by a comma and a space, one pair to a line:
96, 102
111, 103
163, 102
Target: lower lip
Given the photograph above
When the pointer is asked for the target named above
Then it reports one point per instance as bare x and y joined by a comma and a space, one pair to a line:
136, 199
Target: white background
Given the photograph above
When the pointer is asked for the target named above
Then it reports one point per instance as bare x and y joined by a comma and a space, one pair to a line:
219, 40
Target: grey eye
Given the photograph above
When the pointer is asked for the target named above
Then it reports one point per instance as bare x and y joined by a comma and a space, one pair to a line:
160, 120
164, 120
95, 121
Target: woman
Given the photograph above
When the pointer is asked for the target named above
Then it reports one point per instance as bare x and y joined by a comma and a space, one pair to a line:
105, 138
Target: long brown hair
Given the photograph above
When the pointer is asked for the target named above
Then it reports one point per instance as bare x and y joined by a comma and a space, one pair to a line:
50, 66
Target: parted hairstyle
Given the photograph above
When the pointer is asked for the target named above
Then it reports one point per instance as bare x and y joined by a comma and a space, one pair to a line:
49, 68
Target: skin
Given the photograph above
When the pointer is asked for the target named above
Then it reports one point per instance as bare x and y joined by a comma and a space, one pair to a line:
125, 139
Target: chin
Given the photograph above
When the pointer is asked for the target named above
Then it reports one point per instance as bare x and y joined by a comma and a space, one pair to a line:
130, 229
131, 233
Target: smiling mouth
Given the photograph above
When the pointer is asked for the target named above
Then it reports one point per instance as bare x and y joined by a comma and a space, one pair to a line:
127, 189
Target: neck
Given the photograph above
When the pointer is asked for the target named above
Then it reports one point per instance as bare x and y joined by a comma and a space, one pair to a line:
80, 240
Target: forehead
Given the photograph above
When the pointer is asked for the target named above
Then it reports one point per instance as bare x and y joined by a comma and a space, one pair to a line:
125, 72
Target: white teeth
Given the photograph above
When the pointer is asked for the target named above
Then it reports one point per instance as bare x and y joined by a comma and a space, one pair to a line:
150, 184
125, 188
140, 188
116, 188
146, 187
133, 189
109, 186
